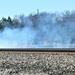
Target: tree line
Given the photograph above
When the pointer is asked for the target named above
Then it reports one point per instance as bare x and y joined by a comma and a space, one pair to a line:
21, 20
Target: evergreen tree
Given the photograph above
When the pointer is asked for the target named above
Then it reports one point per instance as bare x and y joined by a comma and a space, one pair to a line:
9, 19
1, 26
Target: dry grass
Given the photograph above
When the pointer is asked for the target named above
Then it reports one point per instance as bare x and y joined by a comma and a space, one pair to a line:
24, 63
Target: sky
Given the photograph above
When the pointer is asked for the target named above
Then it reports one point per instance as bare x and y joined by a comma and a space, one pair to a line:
17, 7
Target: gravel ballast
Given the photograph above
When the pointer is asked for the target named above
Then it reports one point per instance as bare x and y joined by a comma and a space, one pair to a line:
37, 63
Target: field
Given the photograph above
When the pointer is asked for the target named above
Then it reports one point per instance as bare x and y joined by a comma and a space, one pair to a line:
37, 63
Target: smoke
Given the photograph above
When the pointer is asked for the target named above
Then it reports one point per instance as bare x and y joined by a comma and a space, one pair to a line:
40, 32
16, 38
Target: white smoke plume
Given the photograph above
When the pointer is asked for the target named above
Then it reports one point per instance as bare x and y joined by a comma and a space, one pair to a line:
40, 31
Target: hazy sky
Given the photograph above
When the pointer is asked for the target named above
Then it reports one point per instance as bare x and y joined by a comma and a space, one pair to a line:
13, 7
